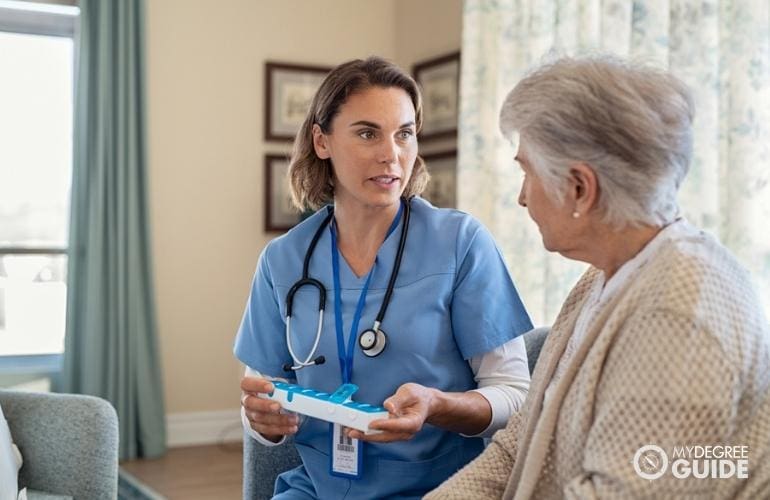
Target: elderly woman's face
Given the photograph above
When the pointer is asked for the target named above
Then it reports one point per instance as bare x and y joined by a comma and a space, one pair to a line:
554, 220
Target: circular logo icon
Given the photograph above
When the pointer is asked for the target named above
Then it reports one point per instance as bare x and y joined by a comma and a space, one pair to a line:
650, 462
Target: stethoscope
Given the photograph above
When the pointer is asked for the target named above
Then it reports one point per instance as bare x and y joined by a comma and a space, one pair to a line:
371, 341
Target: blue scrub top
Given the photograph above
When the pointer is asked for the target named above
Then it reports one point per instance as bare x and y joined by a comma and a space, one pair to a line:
453, 299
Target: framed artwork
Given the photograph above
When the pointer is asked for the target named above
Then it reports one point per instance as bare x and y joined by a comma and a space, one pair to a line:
289, 89
439, 80
280, 215
442, 188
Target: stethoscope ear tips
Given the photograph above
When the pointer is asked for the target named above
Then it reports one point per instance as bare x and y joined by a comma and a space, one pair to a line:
372, 342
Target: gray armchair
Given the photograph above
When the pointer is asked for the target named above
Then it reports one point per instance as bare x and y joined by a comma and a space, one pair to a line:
533, 341
69, 444
261, 464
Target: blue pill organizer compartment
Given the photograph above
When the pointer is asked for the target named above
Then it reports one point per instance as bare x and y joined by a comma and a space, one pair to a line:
336, 407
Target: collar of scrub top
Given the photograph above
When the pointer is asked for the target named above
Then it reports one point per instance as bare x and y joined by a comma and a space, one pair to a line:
346, 355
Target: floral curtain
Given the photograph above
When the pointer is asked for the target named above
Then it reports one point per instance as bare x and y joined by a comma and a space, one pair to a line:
720, 48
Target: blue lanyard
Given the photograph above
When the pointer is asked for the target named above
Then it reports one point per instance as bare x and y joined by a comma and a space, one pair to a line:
346, 359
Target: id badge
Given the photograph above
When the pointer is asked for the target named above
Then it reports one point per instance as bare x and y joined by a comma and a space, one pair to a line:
347, 454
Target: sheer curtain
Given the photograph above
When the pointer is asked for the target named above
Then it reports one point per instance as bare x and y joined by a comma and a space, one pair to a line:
720, 48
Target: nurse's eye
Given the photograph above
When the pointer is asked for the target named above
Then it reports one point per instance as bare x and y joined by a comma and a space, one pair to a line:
405, 134
367, 134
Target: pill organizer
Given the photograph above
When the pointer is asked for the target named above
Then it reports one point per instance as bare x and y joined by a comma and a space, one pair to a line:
336, 407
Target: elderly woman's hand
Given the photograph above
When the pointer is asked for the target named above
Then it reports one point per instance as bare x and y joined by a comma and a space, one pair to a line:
409, 408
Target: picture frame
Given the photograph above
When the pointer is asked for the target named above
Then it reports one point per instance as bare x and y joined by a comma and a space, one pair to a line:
439, 80
289, 89
280, 215
442, 188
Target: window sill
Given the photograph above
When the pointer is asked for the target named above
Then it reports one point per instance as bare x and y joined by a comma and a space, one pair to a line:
35, 364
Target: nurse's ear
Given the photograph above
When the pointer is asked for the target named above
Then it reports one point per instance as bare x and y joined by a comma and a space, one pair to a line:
320, 143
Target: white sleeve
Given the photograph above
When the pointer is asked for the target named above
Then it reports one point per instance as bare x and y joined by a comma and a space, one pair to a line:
502, 377
251, 432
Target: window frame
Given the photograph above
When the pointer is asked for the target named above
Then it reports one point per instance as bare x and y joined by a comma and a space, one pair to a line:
41, 19
38, 19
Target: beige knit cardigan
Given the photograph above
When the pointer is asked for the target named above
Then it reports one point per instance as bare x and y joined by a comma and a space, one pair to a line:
680, 356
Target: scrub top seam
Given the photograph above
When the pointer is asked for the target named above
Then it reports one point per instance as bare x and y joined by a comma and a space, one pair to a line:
459, 261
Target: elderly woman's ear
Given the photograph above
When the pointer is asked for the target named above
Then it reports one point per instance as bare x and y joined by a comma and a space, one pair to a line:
584, 188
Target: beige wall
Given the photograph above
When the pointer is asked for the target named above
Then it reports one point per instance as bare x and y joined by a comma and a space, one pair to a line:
205, 120
426, 29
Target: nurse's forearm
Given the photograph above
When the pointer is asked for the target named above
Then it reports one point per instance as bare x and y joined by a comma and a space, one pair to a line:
463, 412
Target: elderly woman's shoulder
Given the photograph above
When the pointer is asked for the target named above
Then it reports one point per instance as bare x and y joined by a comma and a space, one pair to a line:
697, 256
696, 276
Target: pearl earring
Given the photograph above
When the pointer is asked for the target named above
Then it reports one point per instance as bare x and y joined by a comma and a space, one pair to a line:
575, 214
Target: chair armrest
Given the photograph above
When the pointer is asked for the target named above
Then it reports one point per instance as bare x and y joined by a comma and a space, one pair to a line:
534, 340
262, 464
69, 443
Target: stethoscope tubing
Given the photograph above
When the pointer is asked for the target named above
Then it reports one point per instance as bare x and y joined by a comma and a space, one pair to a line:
307, 362
306, 279
396, 267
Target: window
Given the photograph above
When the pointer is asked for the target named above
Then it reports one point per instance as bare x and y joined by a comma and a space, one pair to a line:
36, 99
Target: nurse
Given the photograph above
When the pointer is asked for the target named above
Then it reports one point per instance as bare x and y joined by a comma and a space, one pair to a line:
434, 336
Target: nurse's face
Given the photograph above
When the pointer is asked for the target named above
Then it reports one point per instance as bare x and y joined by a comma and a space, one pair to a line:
372, 146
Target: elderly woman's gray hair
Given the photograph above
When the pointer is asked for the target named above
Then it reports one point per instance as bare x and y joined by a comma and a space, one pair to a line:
632, 124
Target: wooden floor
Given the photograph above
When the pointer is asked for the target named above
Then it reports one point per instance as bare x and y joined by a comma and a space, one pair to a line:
193, 473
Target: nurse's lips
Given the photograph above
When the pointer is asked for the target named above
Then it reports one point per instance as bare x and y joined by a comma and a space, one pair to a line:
386, 181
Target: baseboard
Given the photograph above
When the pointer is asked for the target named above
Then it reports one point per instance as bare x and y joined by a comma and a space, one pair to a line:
203, 427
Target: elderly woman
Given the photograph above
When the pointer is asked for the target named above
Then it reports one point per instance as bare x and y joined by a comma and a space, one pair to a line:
662, 343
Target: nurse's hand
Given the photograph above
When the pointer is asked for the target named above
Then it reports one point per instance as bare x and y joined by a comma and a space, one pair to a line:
409, 408
265, 415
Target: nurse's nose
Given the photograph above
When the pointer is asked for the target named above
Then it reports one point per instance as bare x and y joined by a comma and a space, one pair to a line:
388, 152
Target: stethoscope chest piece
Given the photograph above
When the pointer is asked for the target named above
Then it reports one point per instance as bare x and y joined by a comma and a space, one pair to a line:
372, 342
